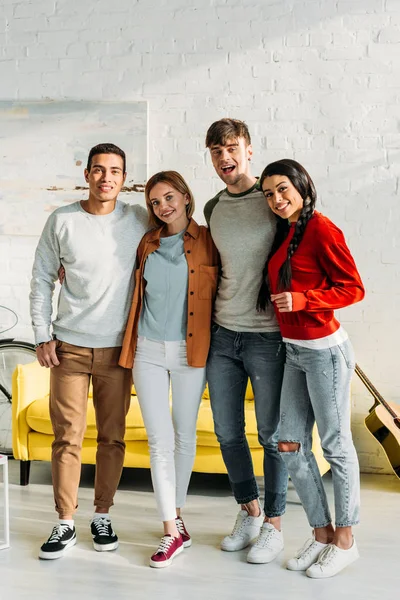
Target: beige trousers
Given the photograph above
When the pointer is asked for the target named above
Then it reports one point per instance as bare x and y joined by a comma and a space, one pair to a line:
69, 386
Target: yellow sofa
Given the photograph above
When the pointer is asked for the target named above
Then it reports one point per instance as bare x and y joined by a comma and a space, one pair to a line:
32, 432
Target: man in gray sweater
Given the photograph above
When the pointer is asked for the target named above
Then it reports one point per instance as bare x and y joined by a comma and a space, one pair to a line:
245, 343
95, 241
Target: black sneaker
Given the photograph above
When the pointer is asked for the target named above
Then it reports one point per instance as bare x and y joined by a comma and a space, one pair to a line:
104, 538
62, 537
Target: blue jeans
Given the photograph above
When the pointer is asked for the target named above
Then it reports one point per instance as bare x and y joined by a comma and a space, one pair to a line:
234, 357
316, 388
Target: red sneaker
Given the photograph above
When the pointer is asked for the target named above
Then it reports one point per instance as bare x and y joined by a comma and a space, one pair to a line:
167, 550
186, 539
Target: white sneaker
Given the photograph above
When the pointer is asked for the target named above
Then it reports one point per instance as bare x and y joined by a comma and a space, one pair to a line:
306, 556
267, 546
245, 530
332, 560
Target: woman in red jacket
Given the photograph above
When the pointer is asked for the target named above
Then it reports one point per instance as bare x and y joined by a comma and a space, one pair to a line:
308, 274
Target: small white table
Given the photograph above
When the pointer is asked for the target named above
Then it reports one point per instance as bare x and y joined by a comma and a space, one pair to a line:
6, 542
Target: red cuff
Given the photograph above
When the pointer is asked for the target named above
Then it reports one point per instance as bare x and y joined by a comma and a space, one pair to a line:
299, 300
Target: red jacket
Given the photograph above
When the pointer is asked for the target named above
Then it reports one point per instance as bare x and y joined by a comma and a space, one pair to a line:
324, 277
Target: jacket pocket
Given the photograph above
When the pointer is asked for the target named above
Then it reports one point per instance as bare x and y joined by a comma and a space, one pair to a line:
208, 281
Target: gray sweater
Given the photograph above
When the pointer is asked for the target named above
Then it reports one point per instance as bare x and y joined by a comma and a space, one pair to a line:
98, 253
243, 228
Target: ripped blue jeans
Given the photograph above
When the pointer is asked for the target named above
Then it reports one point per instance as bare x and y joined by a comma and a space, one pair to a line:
234, 358
316, 388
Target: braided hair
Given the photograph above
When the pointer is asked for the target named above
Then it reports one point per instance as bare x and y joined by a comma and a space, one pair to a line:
303, 183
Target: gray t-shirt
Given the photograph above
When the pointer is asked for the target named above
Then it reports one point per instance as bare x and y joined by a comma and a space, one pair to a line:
164, 313
98, 253
243, 229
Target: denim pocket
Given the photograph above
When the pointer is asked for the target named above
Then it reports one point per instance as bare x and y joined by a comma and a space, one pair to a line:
215, 328
346, 350
270, 336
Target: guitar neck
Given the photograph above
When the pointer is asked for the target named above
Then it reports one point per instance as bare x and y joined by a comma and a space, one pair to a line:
374, 392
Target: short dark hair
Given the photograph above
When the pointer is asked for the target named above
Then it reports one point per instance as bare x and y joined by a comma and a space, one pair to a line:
106, 149
224, 129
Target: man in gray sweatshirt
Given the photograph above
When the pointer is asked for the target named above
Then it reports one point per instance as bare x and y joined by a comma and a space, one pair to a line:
95, 241
245, 343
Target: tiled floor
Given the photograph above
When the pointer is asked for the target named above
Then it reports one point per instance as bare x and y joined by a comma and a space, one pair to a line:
202, 571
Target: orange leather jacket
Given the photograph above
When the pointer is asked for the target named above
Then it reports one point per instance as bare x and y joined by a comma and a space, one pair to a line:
203, 266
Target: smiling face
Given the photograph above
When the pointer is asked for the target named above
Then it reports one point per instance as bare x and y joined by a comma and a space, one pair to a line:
169, 205
282, 197
105, 177
231, 160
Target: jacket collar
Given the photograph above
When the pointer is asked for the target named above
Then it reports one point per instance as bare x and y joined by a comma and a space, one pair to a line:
192, 229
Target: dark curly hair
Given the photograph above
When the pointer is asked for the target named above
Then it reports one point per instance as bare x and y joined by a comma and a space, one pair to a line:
303, 183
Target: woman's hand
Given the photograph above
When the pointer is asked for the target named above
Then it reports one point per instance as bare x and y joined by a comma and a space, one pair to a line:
283, 301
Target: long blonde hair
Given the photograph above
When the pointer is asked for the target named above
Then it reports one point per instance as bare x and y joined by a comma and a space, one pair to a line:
178, 183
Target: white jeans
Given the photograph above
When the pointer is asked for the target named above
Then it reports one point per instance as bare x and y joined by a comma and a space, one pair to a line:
172, 437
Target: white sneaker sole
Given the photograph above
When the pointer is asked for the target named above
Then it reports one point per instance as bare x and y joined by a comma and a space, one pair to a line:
54, 555
326, 574
260, 560
298, 568
226, 548
165, 563
188, 543
236, 548
105, 547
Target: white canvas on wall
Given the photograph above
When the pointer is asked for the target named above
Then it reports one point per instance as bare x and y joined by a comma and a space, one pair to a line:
44, 148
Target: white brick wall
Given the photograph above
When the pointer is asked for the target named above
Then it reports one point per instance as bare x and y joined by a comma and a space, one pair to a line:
315, 80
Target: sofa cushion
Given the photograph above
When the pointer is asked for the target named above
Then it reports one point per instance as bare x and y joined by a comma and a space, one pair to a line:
38, 419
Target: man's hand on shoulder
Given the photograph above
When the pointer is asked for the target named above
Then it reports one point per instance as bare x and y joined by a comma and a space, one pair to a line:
46, 355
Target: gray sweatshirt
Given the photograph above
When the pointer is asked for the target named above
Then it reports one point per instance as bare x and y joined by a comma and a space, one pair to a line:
243, 229
98, 254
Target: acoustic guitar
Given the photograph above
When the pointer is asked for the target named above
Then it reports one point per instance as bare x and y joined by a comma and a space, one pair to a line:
383, 421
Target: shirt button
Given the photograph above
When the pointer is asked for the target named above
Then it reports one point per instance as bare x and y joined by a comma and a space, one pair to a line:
190, 334
192, 271
191, 314
188, 251
191, 293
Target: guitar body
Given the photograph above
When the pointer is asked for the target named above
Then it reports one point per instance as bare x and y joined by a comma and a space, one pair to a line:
383, 427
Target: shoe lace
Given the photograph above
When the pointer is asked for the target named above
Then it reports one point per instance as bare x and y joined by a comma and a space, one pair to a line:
58, 532
180, 526
326, 555
238, 526
102, 525
264, 537
306, 548
165, 543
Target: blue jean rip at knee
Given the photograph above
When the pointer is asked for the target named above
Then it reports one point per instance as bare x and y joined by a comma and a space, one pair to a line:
283, 447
